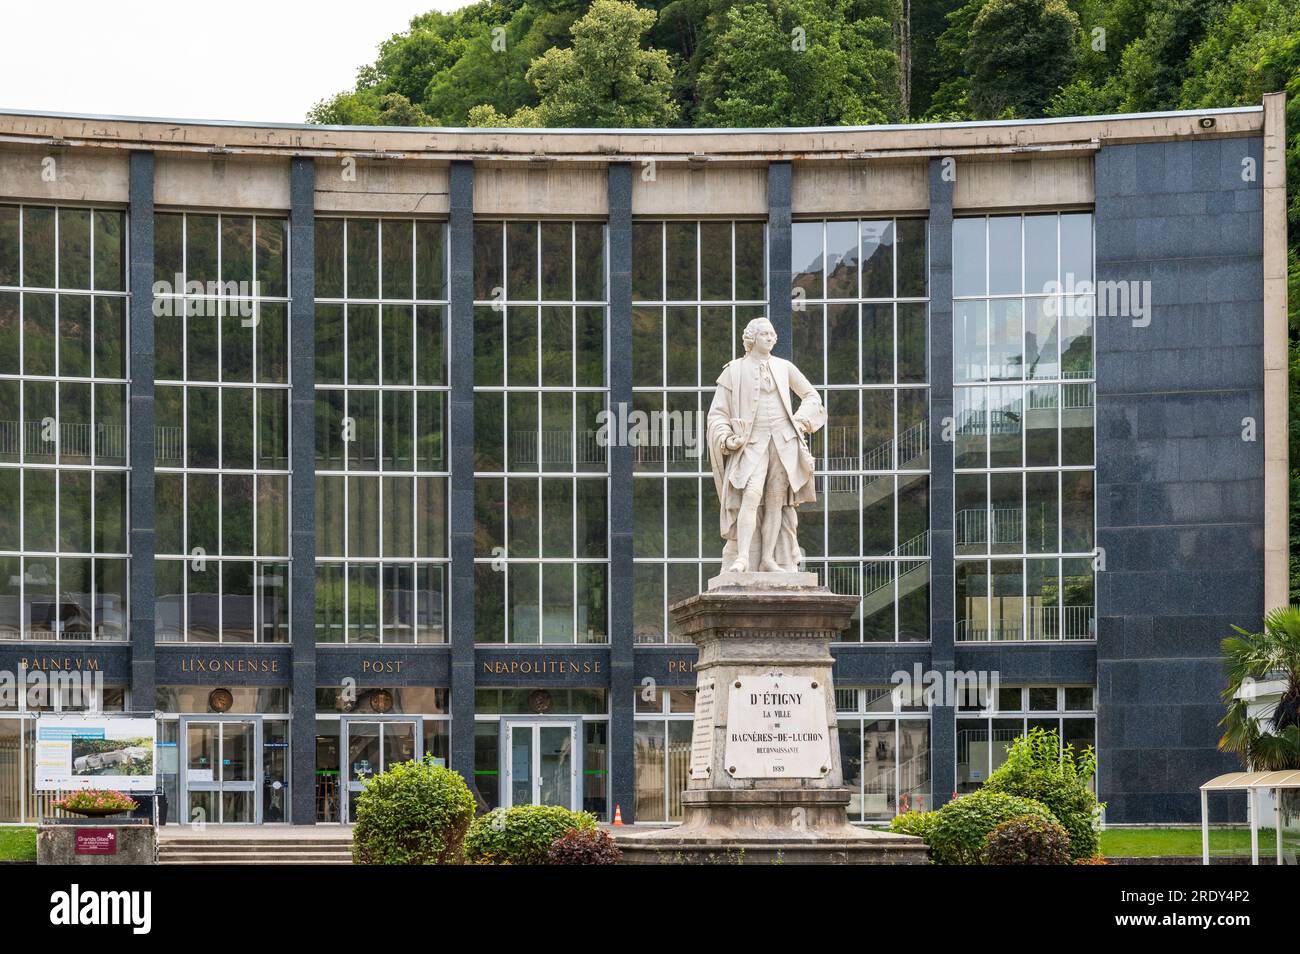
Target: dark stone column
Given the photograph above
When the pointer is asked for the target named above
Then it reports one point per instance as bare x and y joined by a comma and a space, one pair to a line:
779, 267
141, 410
622, 680
943, 728
461, 439
302, 480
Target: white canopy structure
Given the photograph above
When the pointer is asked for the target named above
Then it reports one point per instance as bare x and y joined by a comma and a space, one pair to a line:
1251, 783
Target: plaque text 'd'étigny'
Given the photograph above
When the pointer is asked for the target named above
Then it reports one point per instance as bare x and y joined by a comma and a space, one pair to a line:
777, 728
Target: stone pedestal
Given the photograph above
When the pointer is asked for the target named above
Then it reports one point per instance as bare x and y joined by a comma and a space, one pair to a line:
108, 841
766, 785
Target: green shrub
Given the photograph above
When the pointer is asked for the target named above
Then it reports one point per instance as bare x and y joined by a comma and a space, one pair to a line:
914, 823
590, 847
958, 833
416, 813
1027, 840
1038, 767
521, 835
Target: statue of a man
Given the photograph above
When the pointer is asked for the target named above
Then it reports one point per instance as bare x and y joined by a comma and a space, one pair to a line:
762, 468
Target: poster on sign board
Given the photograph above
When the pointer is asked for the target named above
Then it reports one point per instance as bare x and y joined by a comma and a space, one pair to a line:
95, 752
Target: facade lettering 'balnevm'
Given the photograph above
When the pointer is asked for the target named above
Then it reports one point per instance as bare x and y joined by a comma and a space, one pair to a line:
332, 471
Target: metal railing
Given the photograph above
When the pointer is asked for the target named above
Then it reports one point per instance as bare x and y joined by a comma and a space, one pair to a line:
71, 439
973, 524
559, 446
1045, 622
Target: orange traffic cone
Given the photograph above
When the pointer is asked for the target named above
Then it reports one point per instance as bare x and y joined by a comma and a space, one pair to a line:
618, 815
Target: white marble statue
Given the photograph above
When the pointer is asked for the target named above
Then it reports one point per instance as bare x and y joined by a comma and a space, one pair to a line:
762, 468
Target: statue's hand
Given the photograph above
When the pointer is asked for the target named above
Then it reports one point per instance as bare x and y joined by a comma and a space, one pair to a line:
734, 443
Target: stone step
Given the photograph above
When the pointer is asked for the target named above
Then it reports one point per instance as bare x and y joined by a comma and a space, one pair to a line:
254, 859
188, 843
254, 850
254, 855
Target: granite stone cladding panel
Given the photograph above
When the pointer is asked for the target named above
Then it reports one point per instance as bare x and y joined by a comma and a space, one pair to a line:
1180, 518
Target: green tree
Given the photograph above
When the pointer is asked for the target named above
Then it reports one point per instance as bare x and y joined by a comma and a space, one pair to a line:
493, 57
1155, 65
800, 63
1021, 52
950, 100
605, 78
1272, 744
929, 67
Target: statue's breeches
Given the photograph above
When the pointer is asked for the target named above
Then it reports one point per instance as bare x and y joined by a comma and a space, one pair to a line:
768, 479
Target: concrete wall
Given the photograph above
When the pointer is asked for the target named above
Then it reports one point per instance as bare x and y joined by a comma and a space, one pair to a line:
1020, 182
76, 175
863, 186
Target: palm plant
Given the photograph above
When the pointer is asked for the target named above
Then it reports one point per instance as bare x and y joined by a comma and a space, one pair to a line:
1272, 744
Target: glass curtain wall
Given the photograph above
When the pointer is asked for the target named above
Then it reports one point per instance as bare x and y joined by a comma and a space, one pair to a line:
884, 752
1023, 400
695, 285
381, 422
222, 415
665, 721
861, 319
63, 423
541, 486
983, 736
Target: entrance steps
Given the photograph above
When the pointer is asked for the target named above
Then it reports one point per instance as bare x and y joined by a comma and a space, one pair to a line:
280, 848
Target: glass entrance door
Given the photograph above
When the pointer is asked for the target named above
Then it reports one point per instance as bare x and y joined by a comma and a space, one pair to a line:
542, 763
222, 780
371, 746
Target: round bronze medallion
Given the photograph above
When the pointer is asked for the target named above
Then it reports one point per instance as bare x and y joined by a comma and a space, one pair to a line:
220, 700
539, 700
381, 700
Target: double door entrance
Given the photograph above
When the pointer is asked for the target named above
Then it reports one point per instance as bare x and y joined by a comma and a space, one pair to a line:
541, 762
221, 771
375, 745
233, 770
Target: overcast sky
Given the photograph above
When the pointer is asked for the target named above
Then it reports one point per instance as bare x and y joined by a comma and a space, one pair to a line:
256, 60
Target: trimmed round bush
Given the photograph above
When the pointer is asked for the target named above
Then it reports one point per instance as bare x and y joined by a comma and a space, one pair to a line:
416, 813
521, 835
958, 833
1027, 840
1038, 767
591, 847
914, 823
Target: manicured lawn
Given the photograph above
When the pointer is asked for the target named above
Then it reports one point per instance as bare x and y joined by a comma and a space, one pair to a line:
17, 844
1158, 842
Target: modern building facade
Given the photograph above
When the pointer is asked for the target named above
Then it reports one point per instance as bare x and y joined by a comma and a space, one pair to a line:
335, 447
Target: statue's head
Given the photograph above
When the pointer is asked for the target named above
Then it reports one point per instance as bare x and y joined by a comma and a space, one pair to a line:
752, 330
